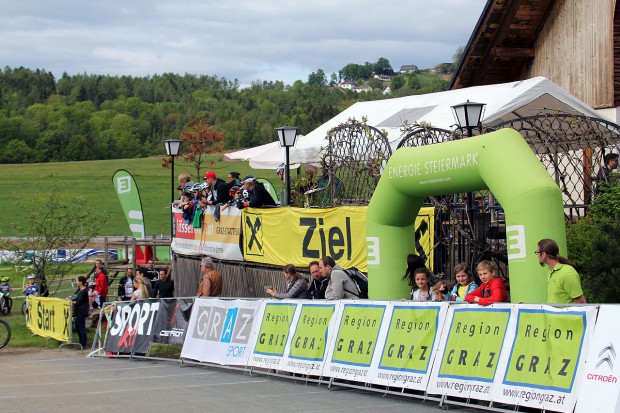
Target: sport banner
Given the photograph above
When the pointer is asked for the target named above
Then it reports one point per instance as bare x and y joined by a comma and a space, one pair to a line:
171, 321
359, 332
547, 356
600, 391
131, 328
222, 332
407, 353
129, 197
281, 236
218, 239
49, 317
469, 351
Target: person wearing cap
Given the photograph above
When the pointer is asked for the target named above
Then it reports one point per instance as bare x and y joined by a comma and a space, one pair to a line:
257, 194
219, 189
211, 282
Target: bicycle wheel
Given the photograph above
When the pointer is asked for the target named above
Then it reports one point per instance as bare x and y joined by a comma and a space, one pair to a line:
5, 333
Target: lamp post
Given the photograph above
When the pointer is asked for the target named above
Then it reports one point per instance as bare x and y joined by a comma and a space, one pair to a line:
172, 149
468, 115
287, 136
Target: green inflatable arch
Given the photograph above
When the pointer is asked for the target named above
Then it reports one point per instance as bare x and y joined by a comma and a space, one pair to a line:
501, 162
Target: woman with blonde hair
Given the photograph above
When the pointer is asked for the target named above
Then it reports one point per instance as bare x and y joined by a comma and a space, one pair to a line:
296, 286
140, 290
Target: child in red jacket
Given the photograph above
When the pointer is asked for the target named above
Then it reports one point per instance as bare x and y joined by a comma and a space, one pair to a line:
492, 289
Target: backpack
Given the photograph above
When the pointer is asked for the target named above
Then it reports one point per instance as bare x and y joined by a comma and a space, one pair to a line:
360, 280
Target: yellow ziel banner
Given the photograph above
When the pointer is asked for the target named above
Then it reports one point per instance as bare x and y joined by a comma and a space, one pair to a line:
281, 236
49, 317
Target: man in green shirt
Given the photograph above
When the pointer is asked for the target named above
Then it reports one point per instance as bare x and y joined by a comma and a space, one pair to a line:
563, 283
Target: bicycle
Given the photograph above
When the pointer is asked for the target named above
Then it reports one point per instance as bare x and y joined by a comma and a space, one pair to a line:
5, 333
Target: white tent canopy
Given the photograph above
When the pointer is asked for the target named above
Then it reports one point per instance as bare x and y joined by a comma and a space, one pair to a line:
503, 102
267, 156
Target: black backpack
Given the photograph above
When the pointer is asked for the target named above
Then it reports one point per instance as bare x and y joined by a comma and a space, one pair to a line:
360, 280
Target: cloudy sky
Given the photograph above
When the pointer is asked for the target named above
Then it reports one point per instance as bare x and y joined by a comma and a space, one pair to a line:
243, 39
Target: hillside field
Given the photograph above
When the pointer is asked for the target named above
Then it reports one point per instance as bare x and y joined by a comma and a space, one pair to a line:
21, 185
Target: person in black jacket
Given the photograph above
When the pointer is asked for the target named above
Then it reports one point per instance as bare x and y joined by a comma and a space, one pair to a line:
80, 308
219, 189
258, 195
318, 283
164, 286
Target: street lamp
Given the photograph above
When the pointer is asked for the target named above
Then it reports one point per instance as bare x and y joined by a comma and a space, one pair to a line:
172, 149
468, 115
287, 136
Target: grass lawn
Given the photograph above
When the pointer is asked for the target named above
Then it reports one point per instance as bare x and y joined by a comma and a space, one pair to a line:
21, 184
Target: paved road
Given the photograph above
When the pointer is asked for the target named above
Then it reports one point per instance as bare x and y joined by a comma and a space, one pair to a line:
67, 381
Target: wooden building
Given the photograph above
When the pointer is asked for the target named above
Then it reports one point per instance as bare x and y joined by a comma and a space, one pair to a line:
574, 43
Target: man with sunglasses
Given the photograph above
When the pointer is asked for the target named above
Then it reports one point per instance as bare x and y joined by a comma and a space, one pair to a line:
563, 283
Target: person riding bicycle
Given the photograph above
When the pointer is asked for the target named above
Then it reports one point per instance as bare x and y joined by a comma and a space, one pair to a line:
5, 289
31, 288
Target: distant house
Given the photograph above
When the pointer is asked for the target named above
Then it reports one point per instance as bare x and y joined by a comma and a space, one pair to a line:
364, 88
383, 78
387, 90
404, 69
347, 85
442, 68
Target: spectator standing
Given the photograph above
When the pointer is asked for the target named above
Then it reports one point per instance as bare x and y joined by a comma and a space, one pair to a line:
413, 263
296, 286
318, 283
151, 272
140, 291
492, 289
604, 174
340, 285
99, 264
211, 282
141, 274
101, 285
563, 283
125, 285
219, 189
81, 309
164, 286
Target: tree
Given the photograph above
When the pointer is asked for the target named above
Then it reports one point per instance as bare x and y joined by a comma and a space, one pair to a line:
52, 224
200, 140
317, 78
383, 67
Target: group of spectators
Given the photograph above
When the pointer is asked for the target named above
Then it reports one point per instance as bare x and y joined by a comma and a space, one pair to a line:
195, 197
330, 281
148, 282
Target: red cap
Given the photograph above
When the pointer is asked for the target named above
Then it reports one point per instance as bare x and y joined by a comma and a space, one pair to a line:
210, 175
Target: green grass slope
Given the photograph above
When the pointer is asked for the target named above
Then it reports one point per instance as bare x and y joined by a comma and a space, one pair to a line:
20, 185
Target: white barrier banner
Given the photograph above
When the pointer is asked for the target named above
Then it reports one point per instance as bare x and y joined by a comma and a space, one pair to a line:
360, 329
404, 358
221, 332
546, 358
600, 388
273, 334
312, 336
218, 239
469, 352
